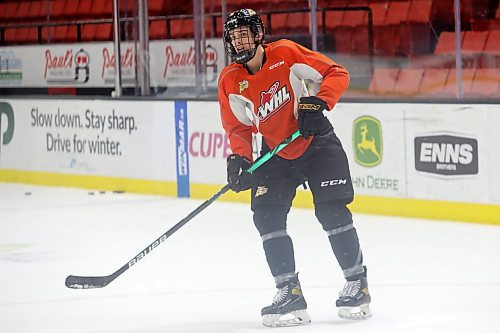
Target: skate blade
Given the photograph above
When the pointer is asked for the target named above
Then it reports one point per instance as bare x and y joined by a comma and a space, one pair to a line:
356, 312
294, 318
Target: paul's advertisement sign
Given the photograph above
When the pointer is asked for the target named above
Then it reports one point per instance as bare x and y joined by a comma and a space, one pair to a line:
66, 66
172, 63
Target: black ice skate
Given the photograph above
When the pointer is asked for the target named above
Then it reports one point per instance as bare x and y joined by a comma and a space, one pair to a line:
354, 300
288, 308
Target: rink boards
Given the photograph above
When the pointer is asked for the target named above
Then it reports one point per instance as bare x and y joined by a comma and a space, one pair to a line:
428, 160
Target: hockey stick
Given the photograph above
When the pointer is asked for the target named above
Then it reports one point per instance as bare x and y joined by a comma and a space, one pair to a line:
87, 282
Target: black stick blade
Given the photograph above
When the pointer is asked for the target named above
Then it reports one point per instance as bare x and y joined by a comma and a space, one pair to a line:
87, 282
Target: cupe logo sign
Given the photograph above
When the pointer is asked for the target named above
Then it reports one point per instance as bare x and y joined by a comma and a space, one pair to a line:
367, 141
6, 129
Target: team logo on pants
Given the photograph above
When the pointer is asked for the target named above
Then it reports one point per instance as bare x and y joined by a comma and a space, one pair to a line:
272, 100
367, 141
261, 190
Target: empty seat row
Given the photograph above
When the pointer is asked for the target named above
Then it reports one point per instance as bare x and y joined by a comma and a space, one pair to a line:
400, 28
407, 39
215, 6
183, 28
37, 10
404, 40
58, 34
158, 29
384, 13
472, 42
435, 82
405, 24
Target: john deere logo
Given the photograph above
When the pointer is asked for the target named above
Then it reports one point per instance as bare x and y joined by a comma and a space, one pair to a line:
6, 129
367, 141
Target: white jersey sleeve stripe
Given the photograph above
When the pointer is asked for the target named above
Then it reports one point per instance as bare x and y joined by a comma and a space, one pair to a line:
303, 71
239, 106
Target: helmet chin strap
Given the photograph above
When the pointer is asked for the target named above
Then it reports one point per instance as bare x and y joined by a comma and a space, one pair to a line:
246, 56
264, 58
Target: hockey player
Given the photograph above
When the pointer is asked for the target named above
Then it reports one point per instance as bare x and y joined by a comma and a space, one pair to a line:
264, 91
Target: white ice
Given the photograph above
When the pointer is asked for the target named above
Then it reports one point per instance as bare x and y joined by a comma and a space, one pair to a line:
211, 275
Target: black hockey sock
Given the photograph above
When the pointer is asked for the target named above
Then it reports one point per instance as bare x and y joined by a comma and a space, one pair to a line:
346, 248
279, 255
270, 220
336, 220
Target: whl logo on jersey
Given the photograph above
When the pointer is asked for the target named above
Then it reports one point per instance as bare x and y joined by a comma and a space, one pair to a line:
446, 155
272, 100
367, 141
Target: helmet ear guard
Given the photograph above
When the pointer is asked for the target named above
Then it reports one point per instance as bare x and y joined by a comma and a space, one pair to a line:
243, 18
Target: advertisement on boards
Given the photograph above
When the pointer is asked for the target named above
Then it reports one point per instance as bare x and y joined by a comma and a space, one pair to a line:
106, 63
66, 66
446, 152
173, 63
446, 155
130, 139
181, 148
11, 68
373, 139
208, 144
93, 64
494, 152
7, 125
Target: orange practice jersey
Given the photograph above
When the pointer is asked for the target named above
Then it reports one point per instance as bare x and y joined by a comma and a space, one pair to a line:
266, 102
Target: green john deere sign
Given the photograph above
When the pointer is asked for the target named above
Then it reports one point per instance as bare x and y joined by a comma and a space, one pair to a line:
367, 141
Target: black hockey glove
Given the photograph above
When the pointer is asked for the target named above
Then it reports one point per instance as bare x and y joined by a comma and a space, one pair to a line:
237, 176
311, 119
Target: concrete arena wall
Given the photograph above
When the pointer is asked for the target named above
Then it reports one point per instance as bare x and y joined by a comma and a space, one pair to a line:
437, 161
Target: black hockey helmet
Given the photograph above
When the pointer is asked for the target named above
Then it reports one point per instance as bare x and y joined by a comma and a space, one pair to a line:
243, 18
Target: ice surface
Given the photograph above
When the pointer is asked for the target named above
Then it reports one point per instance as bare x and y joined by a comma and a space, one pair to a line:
211, 275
